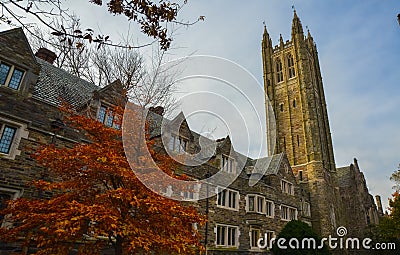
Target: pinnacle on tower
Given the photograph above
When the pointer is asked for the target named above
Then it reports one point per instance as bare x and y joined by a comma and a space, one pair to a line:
265, 34
309, 34
297, 28
281, 43
266, 41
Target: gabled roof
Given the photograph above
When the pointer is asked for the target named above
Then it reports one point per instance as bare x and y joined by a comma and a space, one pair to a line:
115, 86
180, 120
345, 175
54, 85
15, 46
267, 165
113, 93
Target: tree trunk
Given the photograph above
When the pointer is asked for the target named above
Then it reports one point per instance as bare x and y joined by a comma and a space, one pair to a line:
118, 245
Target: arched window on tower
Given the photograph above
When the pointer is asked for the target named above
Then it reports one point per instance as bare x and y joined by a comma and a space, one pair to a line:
290, 63
279, 72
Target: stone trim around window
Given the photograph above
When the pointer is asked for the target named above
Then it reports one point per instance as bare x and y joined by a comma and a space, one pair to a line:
227, 199
288, 213
267, 206
106, 116
226, 236
14, 194
228, 164
287, 187
21, 132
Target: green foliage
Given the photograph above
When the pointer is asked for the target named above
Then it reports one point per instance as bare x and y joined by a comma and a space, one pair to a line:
396, 178
389, 226
298, 230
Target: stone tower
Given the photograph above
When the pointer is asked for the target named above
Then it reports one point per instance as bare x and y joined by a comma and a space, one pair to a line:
293, 84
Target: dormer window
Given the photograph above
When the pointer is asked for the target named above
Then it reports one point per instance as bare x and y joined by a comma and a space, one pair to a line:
10, 76
102, 114
287, 187
108, 118
177, 144
228, 164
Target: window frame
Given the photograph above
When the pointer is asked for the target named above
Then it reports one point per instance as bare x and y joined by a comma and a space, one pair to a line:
225, 201
266, 209
12, 77
227, 242
10, 74
3, 128
288, 215
291, 68
279, 70
269, 238
104, 114
254, 245
14, 194
269, 202
230, 167
175, 144
287, 187
191, 194
306, 208
20, 132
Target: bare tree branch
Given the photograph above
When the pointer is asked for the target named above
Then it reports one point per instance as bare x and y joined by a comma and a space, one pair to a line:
151, 16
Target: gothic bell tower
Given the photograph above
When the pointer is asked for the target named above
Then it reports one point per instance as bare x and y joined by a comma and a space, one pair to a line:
293, 84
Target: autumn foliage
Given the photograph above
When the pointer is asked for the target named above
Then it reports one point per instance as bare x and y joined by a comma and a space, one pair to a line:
95, 202
389, 226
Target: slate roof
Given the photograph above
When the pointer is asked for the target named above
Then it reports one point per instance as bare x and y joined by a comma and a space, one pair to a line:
344, 175
55, 84
267, 165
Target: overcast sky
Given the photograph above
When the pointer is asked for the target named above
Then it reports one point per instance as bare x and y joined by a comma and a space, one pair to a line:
358, 43
359, 48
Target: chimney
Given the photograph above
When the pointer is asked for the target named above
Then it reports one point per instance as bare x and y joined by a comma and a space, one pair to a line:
379, 205
46, 55
157, 110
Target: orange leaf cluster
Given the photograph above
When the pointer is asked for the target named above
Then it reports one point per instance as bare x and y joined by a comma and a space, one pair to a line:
97, 202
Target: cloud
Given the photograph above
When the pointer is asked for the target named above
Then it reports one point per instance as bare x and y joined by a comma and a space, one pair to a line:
358, 50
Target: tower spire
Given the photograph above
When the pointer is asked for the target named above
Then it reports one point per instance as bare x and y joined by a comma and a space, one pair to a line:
266, 41
265, 30
309, 36
297, 28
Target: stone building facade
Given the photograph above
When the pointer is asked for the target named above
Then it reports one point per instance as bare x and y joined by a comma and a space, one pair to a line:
299, 179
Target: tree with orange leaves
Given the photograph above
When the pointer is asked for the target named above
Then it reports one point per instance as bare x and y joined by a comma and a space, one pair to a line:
389, 225
96, 202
